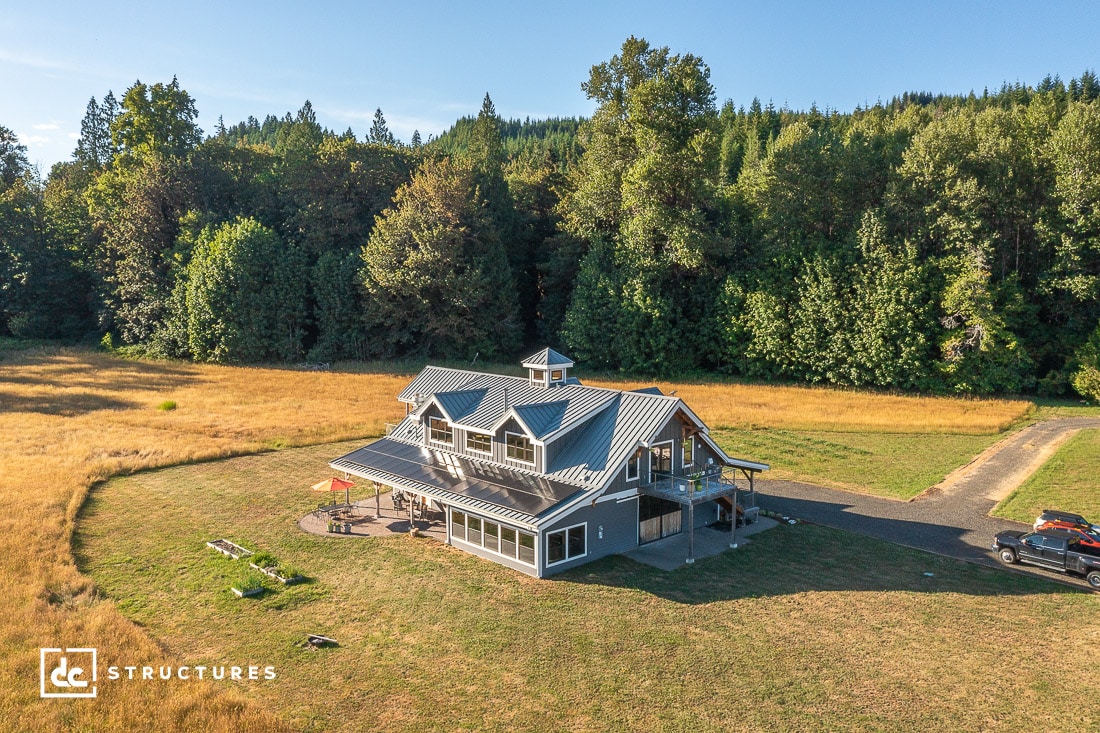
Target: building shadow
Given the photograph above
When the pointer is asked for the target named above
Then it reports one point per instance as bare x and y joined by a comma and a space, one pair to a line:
804, 558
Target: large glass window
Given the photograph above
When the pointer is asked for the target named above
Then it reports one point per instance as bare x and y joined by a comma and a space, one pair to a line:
519, 448
480, 442
565, 544
660, 462
689, 451
497, 538
440, 431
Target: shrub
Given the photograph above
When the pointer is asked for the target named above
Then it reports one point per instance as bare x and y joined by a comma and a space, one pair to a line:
263, 559
167, 405
248, 579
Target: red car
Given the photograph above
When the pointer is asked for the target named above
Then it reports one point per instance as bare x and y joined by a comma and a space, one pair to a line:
1087, 536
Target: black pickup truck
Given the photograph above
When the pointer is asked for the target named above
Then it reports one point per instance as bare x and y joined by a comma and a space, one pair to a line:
1050, 548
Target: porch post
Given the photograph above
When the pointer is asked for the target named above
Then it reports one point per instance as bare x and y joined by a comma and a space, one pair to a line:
691, 533
412, 527
733, 521
377, 502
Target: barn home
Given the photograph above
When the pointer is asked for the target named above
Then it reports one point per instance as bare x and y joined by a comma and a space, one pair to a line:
544, 473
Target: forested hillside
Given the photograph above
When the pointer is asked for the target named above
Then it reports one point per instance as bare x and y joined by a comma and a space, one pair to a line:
933, 243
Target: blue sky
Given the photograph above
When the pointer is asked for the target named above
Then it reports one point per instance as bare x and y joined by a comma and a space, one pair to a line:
428, 63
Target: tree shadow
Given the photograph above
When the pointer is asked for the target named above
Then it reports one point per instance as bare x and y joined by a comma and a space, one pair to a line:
94, 372
68, 404
790, 560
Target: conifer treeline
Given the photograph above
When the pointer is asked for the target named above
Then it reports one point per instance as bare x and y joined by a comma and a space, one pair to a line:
933, 243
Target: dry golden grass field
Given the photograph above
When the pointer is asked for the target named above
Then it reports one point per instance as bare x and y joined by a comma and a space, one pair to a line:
70, 418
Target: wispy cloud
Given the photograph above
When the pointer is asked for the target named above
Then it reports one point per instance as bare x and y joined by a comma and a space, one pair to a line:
46, 126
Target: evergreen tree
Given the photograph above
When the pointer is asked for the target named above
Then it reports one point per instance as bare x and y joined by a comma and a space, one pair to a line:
379, 133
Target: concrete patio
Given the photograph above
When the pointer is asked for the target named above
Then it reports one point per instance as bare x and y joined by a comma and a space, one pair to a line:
671, 553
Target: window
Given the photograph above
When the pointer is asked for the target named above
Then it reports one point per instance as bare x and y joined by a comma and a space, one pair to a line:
492, 536
661, 460
538, 376
634, 466
519, 448
527, 548
507, 542
496, 538
689, 451
556, 375
440, 431
565, 544
480, 442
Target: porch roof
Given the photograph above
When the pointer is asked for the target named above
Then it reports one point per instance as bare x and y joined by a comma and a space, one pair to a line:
475, 485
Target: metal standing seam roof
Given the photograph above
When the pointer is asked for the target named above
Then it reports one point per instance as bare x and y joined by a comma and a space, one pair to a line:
433, 379
480, 485
547, 358
543, 410
607, 427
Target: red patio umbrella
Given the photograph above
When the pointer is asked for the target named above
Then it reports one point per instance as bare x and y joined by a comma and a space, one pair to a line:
335, 484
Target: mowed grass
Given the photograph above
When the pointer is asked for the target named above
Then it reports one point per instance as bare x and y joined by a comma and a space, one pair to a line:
804, 629
72, 417
1069, 481
894, 465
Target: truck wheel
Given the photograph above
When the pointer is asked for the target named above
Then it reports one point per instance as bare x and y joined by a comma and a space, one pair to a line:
1008, 555
1094, 579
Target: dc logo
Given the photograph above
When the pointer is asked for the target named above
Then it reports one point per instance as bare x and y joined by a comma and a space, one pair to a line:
67, 672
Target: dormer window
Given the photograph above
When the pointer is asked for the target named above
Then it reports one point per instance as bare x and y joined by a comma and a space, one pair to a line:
518, 448
538, 377
557, 375
439, 431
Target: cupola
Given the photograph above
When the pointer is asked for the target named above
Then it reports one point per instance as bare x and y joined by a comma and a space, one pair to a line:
547, 368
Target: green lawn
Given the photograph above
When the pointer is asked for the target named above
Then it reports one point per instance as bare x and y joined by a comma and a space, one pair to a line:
899, 466
804, 629
1070, 481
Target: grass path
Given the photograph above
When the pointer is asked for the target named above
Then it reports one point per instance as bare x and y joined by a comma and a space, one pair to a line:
1069, 481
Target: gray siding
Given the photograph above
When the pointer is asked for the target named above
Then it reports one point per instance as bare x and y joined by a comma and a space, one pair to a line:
620, 532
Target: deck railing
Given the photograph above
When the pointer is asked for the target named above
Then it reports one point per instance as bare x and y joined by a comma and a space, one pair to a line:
711, 481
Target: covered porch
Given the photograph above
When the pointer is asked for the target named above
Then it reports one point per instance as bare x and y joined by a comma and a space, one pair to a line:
714, 483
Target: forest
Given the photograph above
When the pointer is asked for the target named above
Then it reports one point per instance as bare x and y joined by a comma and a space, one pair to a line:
932, 243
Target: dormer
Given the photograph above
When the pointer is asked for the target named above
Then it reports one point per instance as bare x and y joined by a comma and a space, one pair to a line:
547, 368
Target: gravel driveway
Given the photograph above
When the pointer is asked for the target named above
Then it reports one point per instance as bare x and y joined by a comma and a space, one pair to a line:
951, 518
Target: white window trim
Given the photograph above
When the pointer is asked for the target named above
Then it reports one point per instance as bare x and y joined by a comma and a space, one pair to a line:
560, 377
450, 443
526, 437
539, 381
478, 450
565, 530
